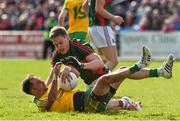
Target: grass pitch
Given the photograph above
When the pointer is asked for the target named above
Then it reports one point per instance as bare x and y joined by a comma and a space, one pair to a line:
160, 97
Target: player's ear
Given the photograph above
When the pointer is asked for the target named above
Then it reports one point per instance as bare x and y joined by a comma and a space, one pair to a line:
33, 91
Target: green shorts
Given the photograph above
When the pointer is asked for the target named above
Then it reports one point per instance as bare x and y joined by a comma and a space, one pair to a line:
82, 36
91, 105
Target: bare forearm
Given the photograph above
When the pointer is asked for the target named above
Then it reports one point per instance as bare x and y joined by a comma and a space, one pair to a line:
93, 65
105, 14
50, 78
52, 94
61, 20
93, 62
61, 17
99, 8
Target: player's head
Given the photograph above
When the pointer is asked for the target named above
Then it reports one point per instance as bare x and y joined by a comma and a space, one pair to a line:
34, 86
60, 39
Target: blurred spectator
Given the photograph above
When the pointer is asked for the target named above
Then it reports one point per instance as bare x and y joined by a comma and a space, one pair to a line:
156, 20
27, 14
142, 14
167, 26
129, 19
144, 24
176, 21
4, 22
145, 15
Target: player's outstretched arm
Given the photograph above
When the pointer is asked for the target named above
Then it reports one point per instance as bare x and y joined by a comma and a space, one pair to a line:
93, 62
71, 60
54, 88
104, 13
61, 17
50, 77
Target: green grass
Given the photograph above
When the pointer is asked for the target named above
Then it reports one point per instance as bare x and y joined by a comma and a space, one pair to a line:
160, 97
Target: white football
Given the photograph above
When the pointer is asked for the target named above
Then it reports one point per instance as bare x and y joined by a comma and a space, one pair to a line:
70, 83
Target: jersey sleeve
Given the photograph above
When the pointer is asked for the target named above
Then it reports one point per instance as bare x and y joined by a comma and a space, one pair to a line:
88, 50
40, 104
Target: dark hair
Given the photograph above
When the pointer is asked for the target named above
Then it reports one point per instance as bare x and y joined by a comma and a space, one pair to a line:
57, 31
26, 86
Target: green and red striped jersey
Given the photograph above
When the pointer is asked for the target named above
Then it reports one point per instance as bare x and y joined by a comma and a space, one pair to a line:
81, 51
95, 19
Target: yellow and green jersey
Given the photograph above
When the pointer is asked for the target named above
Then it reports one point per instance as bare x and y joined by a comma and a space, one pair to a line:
78, 21
63, 102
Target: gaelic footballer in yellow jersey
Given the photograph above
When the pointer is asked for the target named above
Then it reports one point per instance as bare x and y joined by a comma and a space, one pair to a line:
78, 21
63, 102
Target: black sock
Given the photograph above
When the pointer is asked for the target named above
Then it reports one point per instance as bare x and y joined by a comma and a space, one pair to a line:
98, 98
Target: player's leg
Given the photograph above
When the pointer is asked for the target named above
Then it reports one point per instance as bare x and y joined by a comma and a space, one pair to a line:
110, 50
143, 62
124, 103
103, 39
103, 91
105, 81
110, 55
164, 71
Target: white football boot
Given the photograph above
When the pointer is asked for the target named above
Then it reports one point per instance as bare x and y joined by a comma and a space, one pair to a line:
130, 104
166, 68
145, 60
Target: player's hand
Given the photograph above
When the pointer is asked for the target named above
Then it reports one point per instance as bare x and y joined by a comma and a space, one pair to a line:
56, 68
70, 60
118, 20
65, 74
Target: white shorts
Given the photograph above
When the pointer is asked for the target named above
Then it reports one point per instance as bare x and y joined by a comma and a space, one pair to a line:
102, 36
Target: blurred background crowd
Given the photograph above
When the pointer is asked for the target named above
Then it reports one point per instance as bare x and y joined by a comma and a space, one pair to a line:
139, 15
